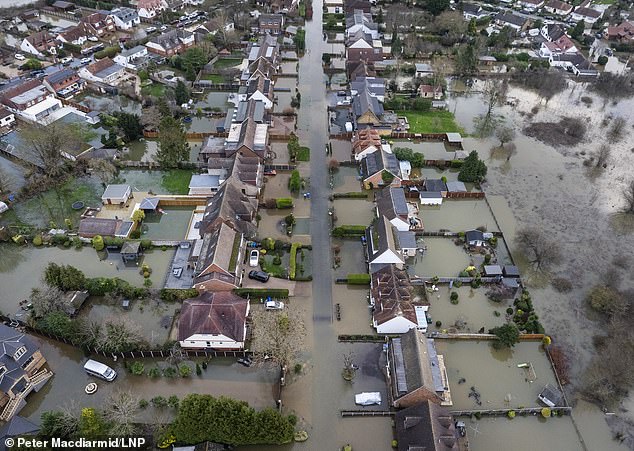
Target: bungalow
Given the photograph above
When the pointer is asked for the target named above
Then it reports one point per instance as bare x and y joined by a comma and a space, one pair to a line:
588, 15
380, 169
21, 371
64, 83
416, 372
575, 63
391, 203
531, 5
272, 24
125, 18
213, 320
472, 11
623, 32
360, 21
73, 35
561, 46
171, 43
506, 19
39, 44
430, 92
116, 195
103, 71
388, 245
391, 296
426, 426
214, 260
365, 142
98, 24
558, 7
31, 101
149, 9
133, 59
230, 205
474, 238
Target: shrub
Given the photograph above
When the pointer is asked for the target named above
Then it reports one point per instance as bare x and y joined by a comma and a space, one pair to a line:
292, 267
359, 279
173, 295
298, 368
602, 60
510, 414
159, 401
509, 311
185, 370
143, 403
457, 283
268, 244
496, 313
546, 412
147, 283
438, 323
295, 182
199, 370
154, 372
283, 202
170, 372
97, 243
277, 260
453, 296
107, 52
349, 231
562, 284
137, 368
37, 240
261, 293
493, 241
77, 243
463, 274
173, 402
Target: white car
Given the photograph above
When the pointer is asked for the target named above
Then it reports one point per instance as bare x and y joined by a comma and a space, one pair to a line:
93, 38
150, 29
85, 61
254, 258
66, 60
164, 27
274, 305
19, 57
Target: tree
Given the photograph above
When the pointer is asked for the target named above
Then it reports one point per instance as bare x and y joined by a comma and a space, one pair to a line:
64, 277
58, 424
138, 216
628, 196
540, 250
294, 182
173, 147
578, 30
97, 243
505, 134
544, 82
506, 336
45, 145
129, 124
46, 301
417, 159
32, 64
103, 169
120, 410
602, 156
606, 299
91, 424
493, 95
300, 40
112, 335
467, 59
617, 128
473, 170
278, 335
191, 62
435, 7
151, 118
181, 93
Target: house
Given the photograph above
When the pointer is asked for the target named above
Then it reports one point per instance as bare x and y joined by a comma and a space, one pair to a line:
435, 191
367, 109
40, 43
416, 372
552, 32
430, 92
7, 118
588, 15
73, 35
373, 85
98, 24
380, 169
125, 18
424, 70
575, 63
91, 227
365, 142
531, 5
561, 46
426, 426
213, 320
204, 184
360, 21
171, 43
31, 101
116, 195
216, 259
134, 58
266, 47
391, 297
391, 203
558, 7
507, 19
362, 47
474, 238
259, 89
272, 24
64, 83
230, 205
350, 6
131, 251
623, 32
21, 371
17, 426
149, 9
473, 11
388, 245
248, 169
103, 71
357, 69
63, 6
248, 138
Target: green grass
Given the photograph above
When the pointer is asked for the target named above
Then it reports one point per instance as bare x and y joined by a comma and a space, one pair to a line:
224, 63
303, 154
176, 181
155, 90
431, 121
266, 263
216, 78
604, 2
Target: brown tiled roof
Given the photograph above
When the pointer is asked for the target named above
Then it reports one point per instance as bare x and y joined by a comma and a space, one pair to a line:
39, 38
213, 313
365, 138
94, 18
392, 293
99, 65
73, 33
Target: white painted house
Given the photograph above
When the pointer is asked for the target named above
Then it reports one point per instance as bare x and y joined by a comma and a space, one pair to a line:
149, 9
125, 18
132, 58
103, 71
7, 118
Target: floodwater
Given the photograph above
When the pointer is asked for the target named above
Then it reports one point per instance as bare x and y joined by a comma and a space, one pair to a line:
351, 257
431, 150
110, 104
347, 180
200, 125
289, 67
341, 149
457, 216
356, 316
354, 211
147, 180
280, 152
14, 174
213, 100
21, 268
172, 224
441, 258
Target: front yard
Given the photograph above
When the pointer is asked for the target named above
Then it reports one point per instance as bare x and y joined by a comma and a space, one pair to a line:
431, 121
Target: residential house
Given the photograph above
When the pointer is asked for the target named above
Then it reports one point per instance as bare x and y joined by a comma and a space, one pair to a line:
507, 19
473, 11
149, 9
31, 101
213, 320
373, 85
365, 142
367, 110
73, 35
266, 47
360, 21
17, 426
362, 47
424, 70
426, 426
171, 43
388, 245
259, 89
7, 118
64, 83
261, 67
39, 44
588, 15
474, 239
248, 169
391, 203
231, 205
248, 138
430, 92
216, 259
416, 372
575, 63
134, 58
380, 169
116, 194
272, 24
558, 7
98, 24
391, 296
103, 71
125, 18
357, 69
350, 6
623, 32
561, 46
552, 32
435, 191
63, 6
21, 370
252, 108
531, 5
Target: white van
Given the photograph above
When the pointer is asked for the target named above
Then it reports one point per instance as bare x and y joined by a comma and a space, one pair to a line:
100, 370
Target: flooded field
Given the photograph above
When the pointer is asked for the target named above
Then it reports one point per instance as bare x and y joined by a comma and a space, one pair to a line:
431, 150
494, 374
458, 216
473, 311
347, 180
441, 258
354, 211
217, 100
169, 225
109, 104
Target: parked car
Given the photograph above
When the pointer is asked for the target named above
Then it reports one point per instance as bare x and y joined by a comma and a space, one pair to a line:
150, 29
66, 60
163, 28
260, 276
19, 57
273, 305
93, 38
254, 258
85, 61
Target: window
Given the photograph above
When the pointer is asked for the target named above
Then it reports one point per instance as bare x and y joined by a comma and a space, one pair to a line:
3, 369
19, 353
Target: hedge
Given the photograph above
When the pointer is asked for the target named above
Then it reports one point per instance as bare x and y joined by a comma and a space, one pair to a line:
349, 230
107, 52
283, 202
293, 262
261, 293
353, 195
173, 295
359, 279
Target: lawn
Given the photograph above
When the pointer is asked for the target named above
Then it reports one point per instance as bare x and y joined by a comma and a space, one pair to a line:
224, 63
303, 154
431, 121
216, 78
176, 181
155, 89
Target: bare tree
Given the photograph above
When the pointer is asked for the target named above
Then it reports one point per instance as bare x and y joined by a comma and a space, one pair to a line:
115, 334
176, 355
103, 169
278, 335
46, 144
121, 409
602, 156
349, 368
615, 134
505, 134
493, 95
540, 250
151, 118
628, 196
46, 301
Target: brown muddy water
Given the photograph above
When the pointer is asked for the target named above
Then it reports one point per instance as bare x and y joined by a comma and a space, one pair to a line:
458, 216
441, 258
341, 149
347, 180
354, 211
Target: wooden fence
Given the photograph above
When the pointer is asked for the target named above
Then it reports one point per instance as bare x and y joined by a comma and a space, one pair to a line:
499, 412
467, 195
76, 105
189, 135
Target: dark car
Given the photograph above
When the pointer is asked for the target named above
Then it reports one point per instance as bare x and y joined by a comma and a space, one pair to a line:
246, 361
259, 276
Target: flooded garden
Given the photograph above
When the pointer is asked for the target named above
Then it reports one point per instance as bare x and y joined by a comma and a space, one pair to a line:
354, 211
441, 257
458, 216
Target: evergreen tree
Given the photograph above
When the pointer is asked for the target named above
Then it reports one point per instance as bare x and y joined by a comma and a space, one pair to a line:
578, 30
473, 169
173, 147
181, 93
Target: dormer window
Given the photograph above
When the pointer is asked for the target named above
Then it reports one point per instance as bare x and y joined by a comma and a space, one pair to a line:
19, 353
3, 369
